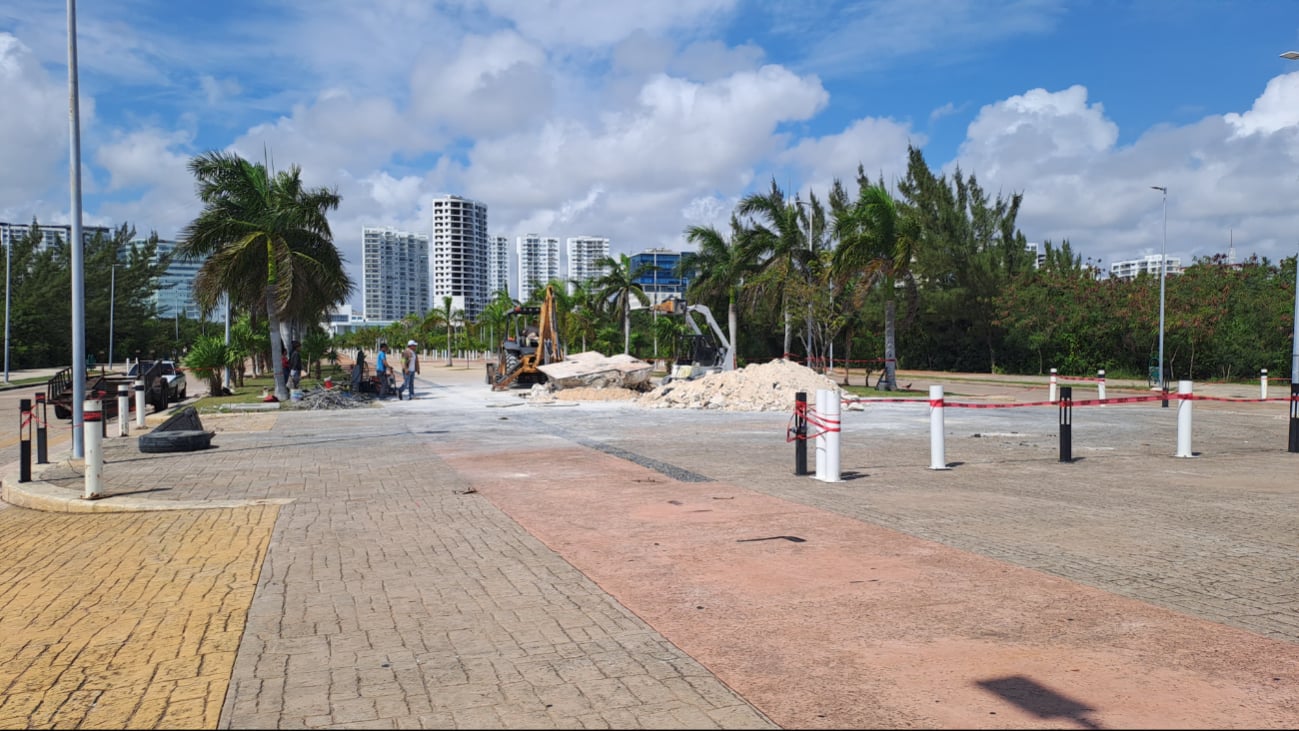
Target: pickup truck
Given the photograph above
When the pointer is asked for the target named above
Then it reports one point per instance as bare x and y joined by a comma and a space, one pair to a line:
177, 386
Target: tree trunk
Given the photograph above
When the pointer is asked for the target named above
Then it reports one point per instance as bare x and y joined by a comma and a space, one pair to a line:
890, 382
789, 334
732, 325
626, 330
277, 366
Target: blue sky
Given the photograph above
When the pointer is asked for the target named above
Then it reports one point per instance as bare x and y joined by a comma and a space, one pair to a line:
636, 120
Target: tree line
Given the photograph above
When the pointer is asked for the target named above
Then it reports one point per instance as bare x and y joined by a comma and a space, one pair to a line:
932, 273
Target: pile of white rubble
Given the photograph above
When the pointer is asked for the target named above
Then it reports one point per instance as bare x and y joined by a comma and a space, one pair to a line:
755, 387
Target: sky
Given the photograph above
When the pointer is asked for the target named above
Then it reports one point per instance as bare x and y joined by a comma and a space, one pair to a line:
634, 120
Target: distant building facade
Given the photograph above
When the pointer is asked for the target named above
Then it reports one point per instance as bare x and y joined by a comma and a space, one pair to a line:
461, 254
584, 255
175, 295
538, 258
498, 265
395, 273
1132, 268
663, 277
10, 232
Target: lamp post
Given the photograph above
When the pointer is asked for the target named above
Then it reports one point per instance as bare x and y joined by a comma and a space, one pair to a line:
8, 284
1163, 272
112, 305
1294, 337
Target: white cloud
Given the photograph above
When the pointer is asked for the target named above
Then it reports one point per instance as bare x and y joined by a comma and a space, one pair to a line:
144, 158
678, 141
1275, 110
492, 86
1078, 183
879, 146
34, 129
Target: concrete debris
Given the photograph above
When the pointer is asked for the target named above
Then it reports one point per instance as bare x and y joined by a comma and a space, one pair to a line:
590, 369
755, 387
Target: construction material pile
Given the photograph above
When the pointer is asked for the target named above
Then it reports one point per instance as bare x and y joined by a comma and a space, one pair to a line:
755, 387
329, 398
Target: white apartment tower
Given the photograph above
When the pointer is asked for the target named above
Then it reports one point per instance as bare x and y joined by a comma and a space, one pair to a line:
538, 258
395, 280
498, 266
1148, 264
584, 254
461, 254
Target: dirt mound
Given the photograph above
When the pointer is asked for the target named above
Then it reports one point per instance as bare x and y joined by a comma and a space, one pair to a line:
755, 387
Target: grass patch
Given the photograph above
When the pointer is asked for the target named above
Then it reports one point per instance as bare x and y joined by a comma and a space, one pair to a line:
251, 391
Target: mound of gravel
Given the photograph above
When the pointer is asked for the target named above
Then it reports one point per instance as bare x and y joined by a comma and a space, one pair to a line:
755, 387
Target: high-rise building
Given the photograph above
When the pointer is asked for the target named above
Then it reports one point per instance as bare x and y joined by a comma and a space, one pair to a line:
584, 254
498, 266
461, 252
13, 231
662, 276
175, 295
395, 274
538, 258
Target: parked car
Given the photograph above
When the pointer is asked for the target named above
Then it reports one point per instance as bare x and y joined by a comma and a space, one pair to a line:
177, 386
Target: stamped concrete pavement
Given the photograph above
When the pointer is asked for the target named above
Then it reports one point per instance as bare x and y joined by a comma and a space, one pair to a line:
469, 561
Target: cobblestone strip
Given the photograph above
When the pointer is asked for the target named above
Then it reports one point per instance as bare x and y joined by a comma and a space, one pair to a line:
394, 598
125, 620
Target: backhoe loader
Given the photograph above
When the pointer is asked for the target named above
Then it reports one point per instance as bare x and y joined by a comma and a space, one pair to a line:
532, 340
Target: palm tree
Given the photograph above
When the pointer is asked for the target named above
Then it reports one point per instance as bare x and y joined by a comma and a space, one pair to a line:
723, 266
447, 317
877, 243
778, 234
266, 241
493, 316
617, 287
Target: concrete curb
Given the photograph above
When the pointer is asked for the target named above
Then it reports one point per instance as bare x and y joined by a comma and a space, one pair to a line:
40, 495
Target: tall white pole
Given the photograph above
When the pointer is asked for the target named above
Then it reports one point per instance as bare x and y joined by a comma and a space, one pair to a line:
112, 307
1163, 272
8, 286
78, 274
225, 379
1294, 337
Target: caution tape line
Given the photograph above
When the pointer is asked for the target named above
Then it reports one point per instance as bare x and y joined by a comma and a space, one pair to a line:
1071, 402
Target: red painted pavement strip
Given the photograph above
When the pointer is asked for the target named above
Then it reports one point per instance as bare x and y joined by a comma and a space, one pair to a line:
861, 626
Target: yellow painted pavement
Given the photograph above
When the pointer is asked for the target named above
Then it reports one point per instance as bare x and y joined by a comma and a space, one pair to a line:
124, 620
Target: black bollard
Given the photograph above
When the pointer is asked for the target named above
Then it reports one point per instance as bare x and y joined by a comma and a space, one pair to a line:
25, 435
41, 414
800, 433
1066, 424
1294, 417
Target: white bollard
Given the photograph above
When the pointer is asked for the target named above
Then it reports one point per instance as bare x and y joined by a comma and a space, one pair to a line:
1184, 419
1052, 395
820, 433
937, 449
94, 439
139, 403
1262, 385
123, 408
1100, 384
833, 402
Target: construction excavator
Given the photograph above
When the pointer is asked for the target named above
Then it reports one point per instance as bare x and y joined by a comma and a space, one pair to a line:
701, 353
531, 341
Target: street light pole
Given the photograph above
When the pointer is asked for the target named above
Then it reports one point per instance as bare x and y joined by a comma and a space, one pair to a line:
112, 306
1294, 337
1163, 273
